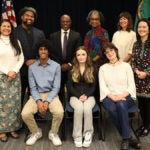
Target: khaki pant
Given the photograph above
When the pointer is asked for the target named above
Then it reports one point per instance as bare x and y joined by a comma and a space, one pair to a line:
30, 108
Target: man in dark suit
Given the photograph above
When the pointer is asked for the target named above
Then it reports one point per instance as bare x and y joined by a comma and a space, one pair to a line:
28, 36
63, 51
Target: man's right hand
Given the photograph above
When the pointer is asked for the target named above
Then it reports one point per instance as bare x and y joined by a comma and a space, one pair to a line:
40, 106
30, 62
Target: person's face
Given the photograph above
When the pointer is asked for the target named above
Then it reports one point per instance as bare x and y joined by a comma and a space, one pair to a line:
81, 56
110, 54
43, 53
5, 28
94, 20
28, 18
65, 22
143, 29
123, 22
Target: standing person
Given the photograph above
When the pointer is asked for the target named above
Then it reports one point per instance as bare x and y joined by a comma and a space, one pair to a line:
124, 37
63, 46
11, 60
117, 91
96, 38
141, 67
81, 85
28, 36
44, 81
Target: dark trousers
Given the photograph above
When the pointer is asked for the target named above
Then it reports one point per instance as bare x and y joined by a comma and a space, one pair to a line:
24, 83
144, 106
118, 112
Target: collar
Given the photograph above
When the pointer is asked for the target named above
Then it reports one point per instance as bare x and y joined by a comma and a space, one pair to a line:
62, 31
48, 62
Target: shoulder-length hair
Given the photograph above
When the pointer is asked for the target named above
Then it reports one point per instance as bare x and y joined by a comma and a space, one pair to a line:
89, 69
128, 16
148, 23
13, 39
111, 46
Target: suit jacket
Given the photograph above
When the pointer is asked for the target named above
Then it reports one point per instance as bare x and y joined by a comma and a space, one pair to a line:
74, 40
28, 51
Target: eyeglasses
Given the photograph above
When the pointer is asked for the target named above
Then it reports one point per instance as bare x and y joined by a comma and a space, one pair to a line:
94, 19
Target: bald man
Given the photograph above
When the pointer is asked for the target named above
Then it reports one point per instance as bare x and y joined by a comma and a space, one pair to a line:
59, 45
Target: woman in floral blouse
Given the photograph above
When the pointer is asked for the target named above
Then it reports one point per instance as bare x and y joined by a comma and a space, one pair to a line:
141, 67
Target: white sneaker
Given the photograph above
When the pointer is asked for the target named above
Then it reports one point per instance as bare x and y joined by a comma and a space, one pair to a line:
54, 138
87, 139
78, 142
34, 137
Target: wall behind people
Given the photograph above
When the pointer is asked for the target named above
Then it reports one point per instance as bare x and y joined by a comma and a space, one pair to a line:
49, 12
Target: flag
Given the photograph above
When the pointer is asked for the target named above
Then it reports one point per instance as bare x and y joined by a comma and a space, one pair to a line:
143, 11
8, 11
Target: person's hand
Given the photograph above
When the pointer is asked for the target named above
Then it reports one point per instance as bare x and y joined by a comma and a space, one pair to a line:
116, 98
11, 75
65, 67
30, 62
40, 106
83, 98
45, 105
142, 75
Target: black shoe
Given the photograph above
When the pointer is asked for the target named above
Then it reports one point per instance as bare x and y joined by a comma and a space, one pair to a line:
125, 145
142, 131
135, 143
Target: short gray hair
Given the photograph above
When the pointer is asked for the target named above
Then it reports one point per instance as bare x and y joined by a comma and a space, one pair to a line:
95, 12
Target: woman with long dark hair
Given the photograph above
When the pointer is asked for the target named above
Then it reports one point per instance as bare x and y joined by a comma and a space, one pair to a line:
141, 67
11, 60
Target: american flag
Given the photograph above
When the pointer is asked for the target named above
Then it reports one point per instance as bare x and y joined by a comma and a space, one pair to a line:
8, 11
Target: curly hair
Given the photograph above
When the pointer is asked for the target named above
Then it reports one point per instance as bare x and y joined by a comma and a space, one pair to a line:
89, 69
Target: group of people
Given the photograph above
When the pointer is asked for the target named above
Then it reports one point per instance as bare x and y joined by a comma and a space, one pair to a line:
119, 71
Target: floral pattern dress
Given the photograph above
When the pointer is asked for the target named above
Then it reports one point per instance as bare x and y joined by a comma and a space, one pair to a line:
141, 61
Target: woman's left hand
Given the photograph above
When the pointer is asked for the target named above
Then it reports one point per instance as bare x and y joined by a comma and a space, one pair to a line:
142, 75
11, 75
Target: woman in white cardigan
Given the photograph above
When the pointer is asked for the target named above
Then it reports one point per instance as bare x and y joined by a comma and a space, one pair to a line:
11, 60
117, 91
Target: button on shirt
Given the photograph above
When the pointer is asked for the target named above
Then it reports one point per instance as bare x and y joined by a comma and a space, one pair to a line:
44, 79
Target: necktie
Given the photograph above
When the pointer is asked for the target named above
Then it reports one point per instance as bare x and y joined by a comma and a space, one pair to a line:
64, 45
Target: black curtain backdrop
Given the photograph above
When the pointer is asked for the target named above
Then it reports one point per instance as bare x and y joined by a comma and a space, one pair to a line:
49, 12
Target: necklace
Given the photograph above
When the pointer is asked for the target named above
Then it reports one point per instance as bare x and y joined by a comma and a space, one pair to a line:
113, 62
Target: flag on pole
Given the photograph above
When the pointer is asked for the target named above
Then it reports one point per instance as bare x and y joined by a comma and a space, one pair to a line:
143, 10
8, 11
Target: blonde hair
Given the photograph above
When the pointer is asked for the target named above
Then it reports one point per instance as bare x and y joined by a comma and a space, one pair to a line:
89, 69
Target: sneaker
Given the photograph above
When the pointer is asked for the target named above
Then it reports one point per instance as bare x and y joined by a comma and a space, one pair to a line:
34, 137
124, 145
87, 139
78, 142
54, 138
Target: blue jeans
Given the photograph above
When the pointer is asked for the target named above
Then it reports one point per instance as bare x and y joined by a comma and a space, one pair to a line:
118, 111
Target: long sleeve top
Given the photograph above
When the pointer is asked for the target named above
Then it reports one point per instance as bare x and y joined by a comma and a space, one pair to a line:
94, 41
82, 87
141, 61
124, 41
8, 60
116, 80
44, 79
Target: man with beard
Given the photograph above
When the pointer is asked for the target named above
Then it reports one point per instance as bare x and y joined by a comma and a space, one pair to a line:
28, 36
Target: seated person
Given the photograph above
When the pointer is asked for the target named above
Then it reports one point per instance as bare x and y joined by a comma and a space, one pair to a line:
44, 81
81, 86
117, 91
